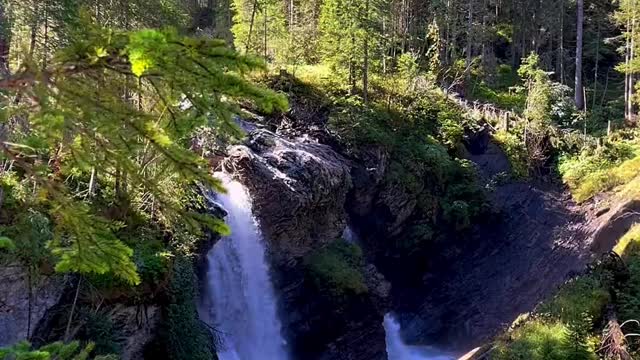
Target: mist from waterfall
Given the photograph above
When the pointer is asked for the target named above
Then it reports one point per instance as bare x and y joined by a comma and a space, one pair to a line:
240, 302
397, 349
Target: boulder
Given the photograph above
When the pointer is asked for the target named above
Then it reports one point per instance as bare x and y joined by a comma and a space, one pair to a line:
298, 190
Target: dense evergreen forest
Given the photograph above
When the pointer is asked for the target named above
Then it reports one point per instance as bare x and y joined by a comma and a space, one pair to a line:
374, 115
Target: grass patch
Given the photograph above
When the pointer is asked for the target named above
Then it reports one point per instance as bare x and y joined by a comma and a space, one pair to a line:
587, 294
601, 169
542, 339
629, 244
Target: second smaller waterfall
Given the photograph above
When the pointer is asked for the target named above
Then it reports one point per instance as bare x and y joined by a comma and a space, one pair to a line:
398, 350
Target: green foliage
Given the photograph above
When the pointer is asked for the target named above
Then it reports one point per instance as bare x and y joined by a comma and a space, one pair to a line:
516, 152
348, 32
629, 244
535, 340
97, 158
6, 244
628, 294
152, 260
264, 26
183, 334
576, 346
546, 100
587, 295
501, 91
337, 269
600, 169
503, 99
53, 351
100, 330
416, 238
408, 67
541, 339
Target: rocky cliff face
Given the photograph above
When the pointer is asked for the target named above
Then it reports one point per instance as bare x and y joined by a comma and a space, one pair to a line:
20, 315
540, 239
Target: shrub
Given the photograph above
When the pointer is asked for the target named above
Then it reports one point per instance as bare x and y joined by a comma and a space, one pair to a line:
600, 169
541, 339
515, 151
587, 294
184, 335
535, 340
628, 294
607, 179
337, 268
152, 261
56, 350
101, 331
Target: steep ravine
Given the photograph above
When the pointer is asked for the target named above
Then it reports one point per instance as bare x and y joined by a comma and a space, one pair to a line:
542, 238
302, 192
305, 193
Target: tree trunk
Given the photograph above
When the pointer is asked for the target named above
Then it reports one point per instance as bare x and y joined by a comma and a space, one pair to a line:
579, 96
253, 19
266, 17
469, 47
561, 57
631, 89
45, 47
365, 68
5, 41
595, 71
627, 72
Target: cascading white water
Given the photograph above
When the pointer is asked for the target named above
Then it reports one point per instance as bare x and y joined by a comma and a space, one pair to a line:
240, 301
398, 350
349, 235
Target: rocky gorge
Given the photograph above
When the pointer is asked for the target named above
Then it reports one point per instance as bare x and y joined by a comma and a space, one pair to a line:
307, 188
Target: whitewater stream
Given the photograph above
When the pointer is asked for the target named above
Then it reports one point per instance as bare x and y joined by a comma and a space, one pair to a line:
397, 349
240, 302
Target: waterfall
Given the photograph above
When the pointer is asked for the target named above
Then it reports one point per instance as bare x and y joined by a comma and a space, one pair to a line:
398, 350
239, 299
349, 235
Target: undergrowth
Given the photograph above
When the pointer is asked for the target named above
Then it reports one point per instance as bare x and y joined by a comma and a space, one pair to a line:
574, 319
600, 169
337, 269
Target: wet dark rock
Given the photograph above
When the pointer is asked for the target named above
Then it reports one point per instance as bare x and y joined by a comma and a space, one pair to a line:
14, 302
138, 326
